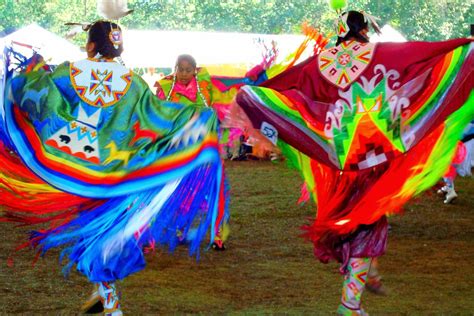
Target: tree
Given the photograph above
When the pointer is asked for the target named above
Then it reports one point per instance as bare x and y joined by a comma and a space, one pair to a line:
416, 19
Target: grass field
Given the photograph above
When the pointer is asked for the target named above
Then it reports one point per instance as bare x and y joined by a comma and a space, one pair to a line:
267, 268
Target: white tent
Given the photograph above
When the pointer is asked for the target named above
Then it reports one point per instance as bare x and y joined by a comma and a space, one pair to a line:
160, 48
389, 34
52, 47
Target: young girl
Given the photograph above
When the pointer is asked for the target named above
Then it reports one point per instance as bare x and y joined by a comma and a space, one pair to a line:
190, 84
107, 165
187, 85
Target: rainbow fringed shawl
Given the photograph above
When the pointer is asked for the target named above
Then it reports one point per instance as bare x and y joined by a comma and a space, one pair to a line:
91, 151
368, 125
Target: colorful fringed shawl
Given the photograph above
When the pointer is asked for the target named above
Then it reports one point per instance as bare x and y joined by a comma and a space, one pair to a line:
89, 150
368, 125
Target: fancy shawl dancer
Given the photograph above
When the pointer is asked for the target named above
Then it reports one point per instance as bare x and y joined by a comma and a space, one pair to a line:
89, 150
369, 126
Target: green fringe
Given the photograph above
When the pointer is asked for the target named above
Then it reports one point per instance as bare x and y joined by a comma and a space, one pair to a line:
443, 152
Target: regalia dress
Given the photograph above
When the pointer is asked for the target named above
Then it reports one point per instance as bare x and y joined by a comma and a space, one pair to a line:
89, 152
369, 126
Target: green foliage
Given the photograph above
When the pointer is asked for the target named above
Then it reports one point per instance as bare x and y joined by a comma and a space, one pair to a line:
417, 20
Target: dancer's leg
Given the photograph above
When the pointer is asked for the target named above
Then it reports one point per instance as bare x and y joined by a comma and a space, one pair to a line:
353, 287
110, 299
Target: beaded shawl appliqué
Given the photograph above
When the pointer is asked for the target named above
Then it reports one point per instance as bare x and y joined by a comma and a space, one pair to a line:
342, 65
100, 83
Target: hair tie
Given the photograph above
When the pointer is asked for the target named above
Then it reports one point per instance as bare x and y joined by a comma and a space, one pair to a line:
342, 28
115, 36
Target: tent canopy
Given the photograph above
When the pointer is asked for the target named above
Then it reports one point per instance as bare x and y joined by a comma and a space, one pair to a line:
52, 47
220, 52
389, 34
161, 48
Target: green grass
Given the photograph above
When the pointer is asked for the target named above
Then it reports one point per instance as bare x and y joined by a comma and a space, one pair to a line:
267, 268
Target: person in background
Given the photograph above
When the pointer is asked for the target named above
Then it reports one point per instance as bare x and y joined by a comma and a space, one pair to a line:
448, 189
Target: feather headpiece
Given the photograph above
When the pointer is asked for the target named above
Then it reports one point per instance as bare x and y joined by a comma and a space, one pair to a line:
113, 9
